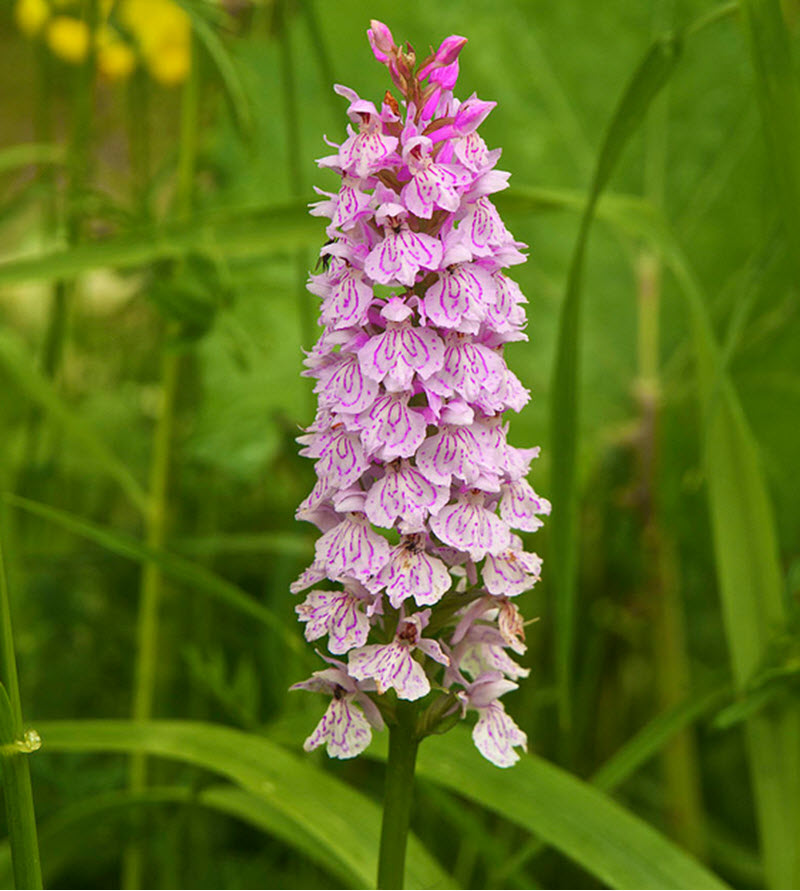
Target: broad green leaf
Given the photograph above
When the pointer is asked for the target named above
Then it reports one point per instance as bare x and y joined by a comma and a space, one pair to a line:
650, 76
637, 751
71, 829
197, 577
21, 368
342, 822
232, 233
580, 821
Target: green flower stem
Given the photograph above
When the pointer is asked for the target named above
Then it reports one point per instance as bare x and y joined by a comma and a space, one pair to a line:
403, 744
18, 795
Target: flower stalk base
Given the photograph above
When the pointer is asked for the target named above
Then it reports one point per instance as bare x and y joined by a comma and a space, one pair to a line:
398, 797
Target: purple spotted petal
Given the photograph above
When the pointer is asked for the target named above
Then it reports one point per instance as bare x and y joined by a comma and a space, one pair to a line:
341, 457
401, 255
520, 505
479, 657
403, 492
343, 729
348, 300
391, 666
308, 577
345, 388
351, 204
432, 185
511, 572
453, 451
337, 614
469, 526
461, 294
483, 229
433, 649
400, 352
411, 572
366, 151
496, 735
390, 429
505, 311
317, 498
471, 151
471, 369
352, 549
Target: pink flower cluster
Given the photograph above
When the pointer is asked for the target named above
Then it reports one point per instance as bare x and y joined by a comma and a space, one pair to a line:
418, 491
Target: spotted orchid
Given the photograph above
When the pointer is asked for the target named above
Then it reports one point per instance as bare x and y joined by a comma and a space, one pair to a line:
418, 495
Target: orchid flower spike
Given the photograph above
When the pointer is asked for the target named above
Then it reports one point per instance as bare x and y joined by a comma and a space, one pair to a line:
419, 495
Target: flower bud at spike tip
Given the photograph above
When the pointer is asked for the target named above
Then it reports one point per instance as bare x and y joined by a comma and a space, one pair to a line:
381, 40
449, 49
418, 491
445, 56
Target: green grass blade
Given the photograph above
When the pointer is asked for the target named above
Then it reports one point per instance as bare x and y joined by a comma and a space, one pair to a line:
583, 823
746, 556
748, 570
750, 581
344, 824
650, 76
754, 611
243, 232
30, 153
779, 101
15, 746
228, 73
20, 367
648, 742
197, 577
294, 543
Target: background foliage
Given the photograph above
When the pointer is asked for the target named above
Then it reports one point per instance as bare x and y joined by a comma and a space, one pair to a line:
154, 230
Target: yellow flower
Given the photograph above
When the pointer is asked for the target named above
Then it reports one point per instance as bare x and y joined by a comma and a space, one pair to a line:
156, 33
163, 32
115, 59
31, 16
171, 64
68, 38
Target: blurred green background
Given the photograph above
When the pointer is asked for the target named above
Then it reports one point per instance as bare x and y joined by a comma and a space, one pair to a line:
156, 245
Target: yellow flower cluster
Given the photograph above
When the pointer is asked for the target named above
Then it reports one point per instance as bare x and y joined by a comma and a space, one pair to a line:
154, 33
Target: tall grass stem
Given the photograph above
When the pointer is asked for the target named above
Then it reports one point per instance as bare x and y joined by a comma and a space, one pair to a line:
18, 794
152, 580
295, 167
683, 802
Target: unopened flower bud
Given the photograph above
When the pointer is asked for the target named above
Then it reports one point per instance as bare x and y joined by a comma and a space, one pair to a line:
381, 40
